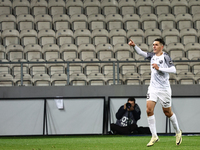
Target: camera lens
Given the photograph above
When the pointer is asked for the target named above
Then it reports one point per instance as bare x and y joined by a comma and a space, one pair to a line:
128, 105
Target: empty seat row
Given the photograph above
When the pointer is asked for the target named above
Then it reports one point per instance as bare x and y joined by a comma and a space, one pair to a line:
105, 7
96, 21
79, 79
84, 51
98, 36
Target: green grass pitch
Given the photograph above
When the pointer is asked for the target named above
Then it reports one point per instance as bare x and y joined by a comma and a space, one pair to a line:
96, 142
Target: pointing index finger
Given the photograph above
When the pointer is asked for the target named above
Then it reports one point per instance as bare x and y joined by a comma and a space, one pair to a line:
131, 40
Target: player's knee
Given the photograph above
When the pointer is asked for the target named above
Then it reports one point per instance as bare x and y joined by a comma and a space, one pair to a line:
149, 112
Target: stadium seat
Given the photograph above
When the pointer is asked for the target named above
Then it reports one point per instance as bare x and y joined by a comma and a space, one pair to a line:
61, 21
108, 66
14, 51
26, 79
104, 51
78, 79
117, 36
74, 7
43, 21
188, 35
149, 21
41, 80
127, 66
56, 67
96, 79
82, 36
10, 37
196, 21
172, 79
137, 35
143, 68
6, 80
32, 51
131, 21
64, 36
93, 67
144, 7
170, 36
96, 21
28, 36
184, 21
151, 35
86, 51
25, 21
182, 67
162, 7
68, 51
100, 36
39, 7
74, 67
127, 7
59, 79
56, 7
92, 7
195, 68
166, 21
122, 51
21, 7
186, 78
16, 68
132, 78
175, 50
109, 7
7, 21
38, 67
192, 50
50, 51
2, 52
110, 79
194, 6
46, 36
197, 77
179, 7
114, 21
5, 7
79, 21
5, 68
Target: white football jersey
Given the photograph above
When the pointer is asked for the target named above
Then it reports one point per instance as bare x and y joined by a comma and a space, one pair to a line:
159, 80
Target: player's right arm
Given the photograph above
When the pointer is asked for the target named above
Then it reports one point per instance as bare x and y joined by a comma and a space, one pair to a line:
137, 49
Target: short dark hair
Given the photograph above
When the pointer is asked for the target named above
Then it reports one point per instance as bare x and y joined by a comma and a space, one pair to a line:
131, 99
160, 40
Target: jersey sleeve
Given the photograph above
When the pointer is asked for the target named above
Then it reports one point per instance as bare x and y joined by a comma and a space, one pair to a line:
149, 55
168, 60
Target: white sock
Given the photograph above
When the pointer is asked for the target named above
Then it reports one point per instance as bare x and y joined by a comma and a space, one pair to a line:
152, 125
174, 122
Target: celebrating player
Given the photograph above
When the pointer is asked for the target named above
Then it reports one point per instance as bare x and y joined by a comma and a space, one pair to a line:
159, 88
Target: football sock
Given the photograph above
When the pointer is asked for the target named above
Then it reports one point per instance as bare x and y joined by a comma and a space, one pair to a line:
152, 125
174, 122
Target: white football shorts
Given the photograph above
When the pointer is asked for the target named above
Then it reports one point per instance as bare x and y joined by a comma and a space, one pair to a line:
163, 96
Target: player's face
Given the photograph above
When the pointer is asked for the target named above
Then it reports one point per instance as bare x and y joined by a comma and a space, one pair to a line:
157, 47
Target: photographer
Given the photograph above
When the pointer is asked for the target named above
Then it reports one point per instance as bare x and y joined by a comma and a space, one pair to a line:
127, 117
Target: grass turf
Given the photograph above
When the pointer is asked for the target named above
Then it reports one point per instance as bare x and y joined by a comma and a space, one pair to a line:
94, 142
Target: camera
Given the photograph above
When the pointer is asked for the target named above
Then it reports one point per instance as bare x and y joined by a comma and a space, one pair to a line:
128, 105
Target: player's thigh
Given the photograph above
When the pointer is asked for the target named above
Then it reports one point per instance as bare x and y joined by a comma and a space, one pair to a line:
150, 106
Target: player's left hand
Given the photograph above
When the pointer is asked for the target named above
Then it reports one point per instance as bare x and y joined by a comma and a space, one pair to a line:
155, 66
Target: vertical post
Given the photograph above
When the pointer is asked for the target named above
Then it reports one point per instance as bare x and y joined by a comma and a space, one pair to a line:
114, 73
67, 73
117, 72
21, 73
45, 118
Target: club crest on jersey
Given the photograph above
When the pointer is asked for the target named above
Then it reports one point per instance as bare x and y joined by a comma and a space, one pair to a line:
161, 61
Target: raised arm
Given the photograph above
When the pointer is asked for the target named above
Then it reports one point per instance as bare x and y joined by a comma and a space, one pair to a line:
137, 49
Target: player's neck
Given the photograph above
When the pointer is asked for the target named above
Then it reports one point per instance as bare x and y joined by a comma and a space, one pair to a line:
159, 53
